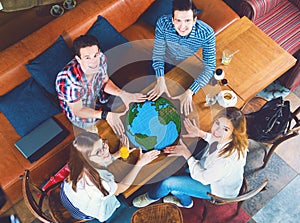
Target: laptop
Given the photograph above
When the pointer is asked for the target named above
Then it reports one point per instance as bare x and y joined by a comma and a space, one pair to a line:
42, 139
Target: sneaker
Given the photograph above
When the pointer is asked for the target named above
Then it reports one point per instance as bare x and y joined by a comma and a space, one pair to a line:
142, 201
174, 200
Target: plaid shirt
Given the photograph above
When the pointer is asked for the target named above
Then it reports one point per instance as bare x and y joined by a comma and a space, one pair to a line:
72, 85
170, 47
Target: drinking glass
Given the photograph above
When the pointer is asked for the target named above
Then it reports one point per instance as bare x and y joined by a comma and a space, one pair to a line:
210, 99
227, 56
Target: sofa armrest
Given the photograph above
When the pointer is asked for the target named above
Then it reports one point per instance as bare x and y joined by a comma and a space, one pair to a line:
254, 9
216, 13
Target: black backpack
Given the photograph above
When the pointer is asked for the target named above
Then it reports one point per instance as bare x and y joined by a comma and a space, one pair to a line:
270, 121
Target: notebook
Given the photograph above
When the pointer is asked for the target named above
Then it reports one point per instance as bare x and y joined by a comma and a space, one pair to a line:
42, 139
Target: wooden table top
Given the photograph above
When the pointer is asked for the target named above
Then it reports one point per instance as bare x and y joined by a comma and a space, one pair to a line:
249, 72
258, 63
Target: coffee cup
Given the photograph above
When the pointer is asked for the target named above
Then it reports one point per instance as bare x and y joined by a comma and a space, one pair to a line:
227, 98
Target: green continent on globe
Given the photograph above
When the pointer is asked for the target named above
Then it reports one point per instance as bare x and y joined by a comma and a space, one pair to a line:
147, 141
167, 114
153, 124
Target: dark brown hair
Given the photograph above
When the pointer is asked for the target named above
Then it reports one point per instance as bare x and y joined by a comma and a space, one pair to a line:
183, 5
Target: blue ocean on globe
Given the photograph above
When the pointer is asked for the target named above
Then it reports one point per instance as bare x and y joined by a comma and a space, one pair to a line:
153, 124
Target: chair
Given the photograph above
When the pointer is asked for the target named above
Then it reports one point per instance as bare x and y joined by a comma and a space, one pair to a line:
280, 20
156, 213
34, 198
269, 147
244, 194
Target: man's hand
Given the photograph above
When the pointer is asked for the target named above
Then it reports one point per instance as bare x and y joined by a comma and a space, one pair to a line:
186, 102
114, 120
147, 157
178, 150
128, 98
158, 89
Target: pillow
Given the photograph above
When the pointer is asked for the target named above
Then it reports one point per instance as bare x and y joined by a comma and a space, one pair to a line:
157, 10
46, 66
106, 34
27, 106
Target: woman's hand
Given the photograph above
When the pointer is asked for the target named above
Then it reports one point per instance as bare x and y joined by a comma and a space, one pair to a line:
192, 129
147, 157
178, 150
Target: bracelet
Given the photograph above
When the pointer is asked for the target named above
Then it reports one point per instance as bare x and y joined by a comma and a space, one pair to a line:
104, 114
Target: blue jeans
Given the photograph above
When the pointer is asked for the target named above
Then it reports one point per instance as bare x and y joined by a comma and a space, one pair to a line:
183, 187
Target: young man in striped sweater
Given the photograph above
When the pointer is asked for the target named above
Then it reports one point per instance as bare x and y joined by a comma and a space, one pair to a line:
177, 38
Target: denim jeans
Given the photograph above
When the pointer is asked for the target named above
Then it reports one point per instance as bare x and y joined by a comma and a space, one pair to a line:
183, 187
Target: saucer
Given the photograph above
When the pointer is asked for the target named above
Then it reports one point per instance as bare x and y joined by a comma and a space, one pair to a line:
224, 102
68, 7
57, 14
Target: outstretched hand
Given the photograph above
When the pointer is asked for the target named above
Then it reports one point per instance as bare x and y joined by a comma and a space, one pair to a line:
147, 157
128, 98
158, 90
178, 150
114, 120
186, 102
191, 128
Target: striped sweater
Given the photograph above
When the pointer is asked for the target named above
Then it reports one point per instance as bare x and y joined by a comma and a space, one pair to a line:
172, 48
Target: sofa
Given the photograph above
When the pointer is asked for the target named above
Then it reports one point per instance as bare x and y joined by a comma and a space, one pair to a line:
280, 20
31, 62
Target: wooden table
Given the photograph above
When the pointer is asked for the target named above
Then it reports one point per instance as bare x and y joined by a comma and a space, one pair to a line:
258, 63
178, 79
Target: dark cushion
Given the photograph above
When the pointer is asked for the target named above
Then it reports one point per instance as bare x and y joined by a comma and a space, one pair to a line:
27, 106
157, 10
46, 66
106, 34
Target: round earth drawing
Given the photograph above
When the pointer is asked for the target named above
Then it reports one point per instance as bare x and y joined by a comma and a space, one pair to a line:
153, 124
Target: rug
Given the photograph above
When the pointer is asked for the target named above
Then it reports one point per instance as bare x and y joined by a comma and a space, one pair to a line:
274, 90
216, 213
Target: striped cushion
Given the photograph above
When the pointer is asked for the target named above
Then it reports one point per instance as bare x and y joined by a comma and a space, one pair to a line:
255, 9
282, 24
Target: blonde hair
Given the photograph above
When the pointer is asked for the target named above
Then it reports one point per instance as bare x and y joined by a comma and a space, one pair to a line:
239, 141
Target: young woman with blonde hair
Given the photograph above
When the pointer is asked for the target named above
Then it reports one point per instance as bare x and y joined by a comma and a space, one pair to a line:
220, 169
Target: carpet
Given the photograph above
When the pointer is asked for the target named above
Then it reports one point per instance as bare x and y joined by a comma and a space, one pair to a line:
216, 213
274, 90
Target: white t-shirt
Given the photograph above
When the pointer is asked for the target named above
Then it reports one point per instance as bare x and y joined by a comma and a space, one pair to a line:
89, 199
225, 175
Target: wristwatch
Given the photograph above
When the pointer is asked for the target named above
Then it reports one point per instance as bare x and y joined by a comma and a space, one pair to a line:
104, 115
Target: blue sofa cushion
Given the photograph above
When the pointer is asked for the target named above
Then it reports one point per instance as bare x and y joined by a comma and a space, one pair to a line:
157, 10
27, 106
106, 34
46, 66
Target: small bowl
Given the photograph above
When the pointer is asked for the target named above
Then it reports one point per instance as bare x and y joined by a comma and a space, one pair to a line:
58, 12
68, 7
